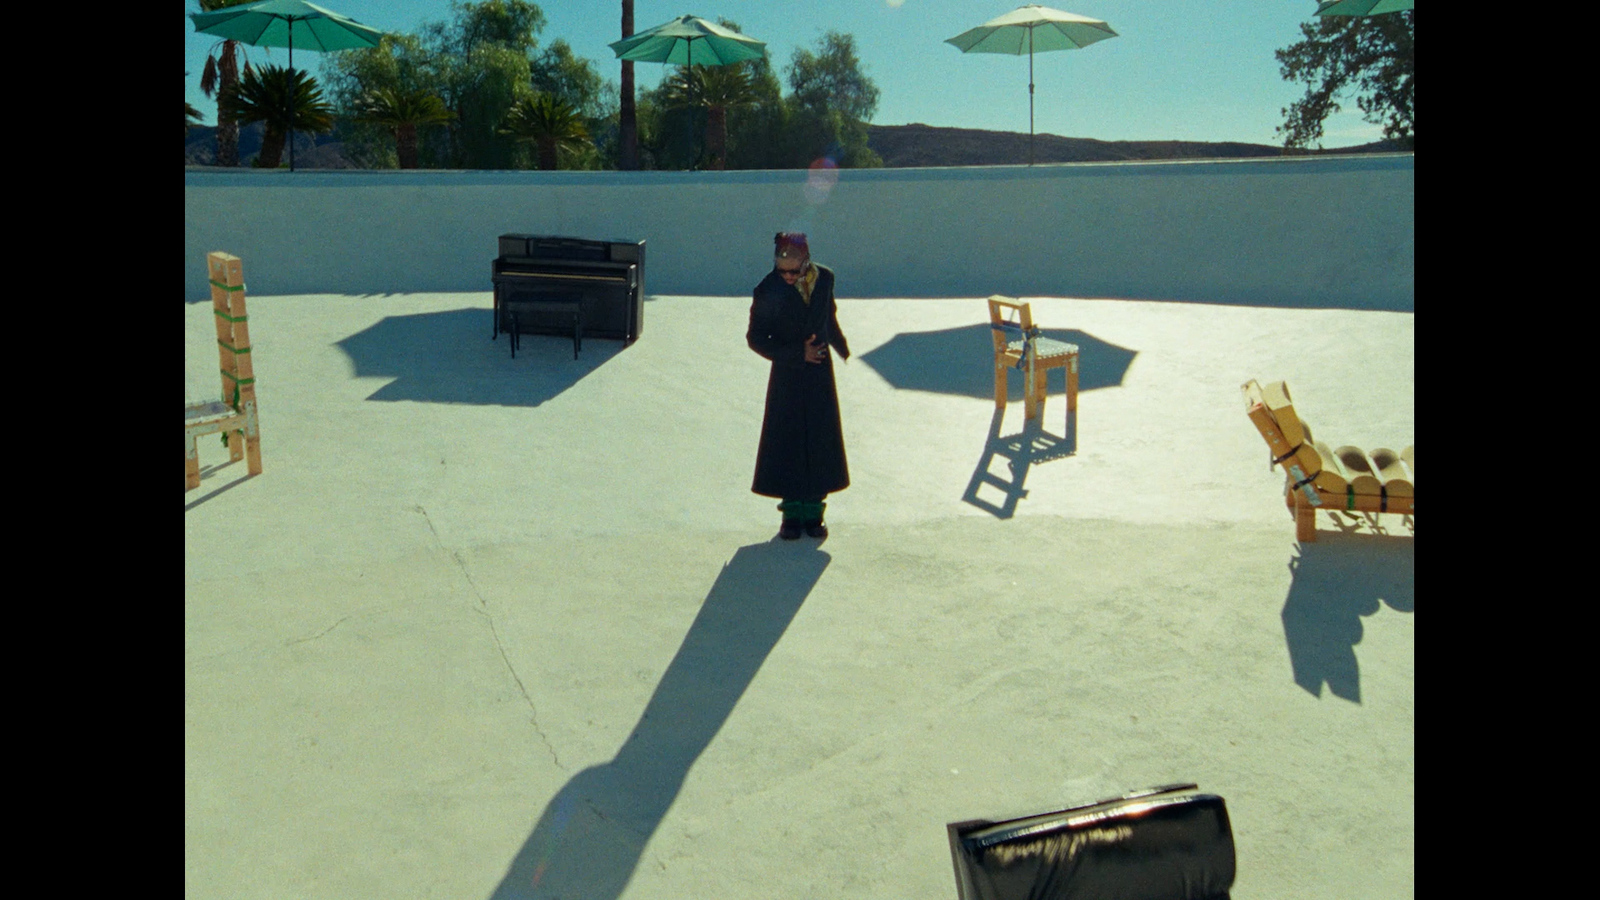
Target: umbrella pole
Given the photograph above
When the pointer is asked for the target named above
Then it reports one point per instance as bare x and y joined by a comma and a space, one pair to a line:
1030, 96
688, 73
291, 95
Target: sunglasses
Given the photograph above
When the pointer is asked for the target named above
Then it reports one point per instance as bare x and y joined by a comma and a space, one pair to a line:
789, 273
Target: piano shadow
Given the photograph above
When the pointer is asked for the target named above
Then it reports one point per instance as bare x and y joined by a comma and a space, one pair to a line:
449, 357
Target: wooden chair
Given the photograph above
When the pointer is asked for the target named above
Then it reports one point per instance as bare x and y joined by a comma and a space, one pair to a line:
234, 416
1317, 477
1018, 345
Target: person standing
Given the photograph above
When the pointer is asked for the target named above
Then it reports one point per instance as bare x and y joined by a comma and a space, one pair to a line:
793, 323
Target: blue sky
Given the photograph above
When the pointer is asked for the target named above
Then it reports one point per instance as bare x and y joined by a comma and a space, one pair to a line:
1179, 69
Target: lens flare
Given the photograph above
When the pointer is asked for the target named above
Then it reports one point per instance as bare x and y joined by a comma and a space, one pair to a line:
820, 179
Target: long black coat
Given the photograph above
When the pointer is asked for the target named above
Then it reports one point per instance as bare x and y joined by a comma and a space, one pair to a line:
802, 443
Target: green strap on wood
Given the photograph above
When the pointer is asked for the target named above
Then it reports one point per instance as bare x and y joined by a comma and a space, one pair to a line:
227, 346
227, 287
237, 381
223, 315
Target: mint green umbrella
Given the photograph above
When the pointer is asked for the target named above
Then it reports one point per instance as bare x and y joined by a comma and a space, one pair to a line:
1361, 7
676, 42
1031, 28
285, 23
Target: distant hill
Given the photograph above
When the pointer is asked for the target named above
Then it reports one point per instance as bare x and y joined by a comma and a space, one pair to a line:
903, 146
310, 151
900, 146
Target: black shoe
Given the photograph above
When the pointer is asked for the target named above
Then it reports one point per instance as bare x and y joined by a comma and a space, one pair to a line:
790, 530
817, 529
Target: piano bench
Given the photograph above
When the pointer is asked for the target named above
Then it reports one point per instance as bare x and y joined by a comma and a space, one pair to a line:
521, 314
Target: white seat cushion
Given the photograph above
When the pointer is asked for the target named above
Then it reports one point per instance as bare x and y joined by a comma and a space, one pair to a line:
1045, 347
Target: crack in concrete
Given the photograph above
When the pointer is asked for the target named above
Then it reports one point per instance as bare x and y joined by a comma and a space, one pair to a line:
483, 610
319, 634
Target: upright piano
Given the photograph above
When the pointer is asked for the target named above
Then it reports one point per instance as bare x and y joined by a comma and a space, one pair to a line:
568, 286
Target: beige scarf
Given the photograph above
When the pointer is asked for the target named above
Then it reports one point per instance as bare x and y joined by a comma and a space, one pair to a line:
806, 282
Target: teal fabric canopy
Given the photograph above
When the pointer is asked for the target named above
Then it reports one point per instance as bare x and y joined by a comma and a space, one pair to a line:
689, 40
1028, 29
1361, 7
1032, 28
286, 23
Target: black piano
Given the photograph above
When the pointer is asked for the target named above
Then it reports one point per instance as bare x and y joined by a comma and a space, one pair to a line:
568, 286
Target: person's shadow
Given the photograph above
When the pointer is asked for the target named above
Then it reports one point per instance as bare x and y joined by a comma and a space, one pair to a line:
588, 841
1338, 580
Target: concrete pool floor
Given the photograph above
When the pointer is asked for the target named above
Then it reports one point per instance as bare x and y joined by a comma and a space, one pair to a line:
495, 628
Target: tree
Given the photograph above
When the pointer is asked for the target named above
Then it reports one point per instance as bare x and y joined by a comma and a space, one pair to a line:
549, 123
482, 61
399, 64
403, 111
831, 79
511, 23
220, 77
716, 89
831, 100
1373, 55
478, 64
756, 133
557, 70
628, 117
280, 99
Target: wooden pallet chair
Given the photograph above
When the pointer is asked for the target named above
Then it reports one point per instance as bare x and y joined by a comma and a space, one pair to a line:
1319, 477
234, 416
1018, 345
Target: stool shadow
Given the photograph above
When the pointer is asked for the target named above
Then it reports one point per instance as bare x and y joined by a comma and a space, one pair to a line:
588, 841
1033, 444
1338, 581
206, 474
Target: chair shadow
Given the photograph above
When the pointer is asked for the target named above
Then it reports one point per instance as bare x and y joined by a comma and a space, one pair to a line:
206, 473
588, 841
1033, 444
1337, 581
449, 357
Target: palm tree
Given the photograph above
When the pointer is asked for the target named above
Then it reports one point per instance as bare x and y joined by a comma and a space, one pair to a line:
628, 121
280, 99
403, 110
549, 123
717, 89
221, 77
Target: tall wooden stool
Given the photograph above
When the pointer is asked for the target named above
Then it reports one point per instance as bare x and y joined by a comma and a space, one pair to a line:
1018, 345
234, 416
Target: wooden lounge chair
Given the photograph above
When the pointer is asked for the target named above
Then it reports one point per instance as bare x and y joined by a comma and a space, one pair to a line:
1319, 477
234, 416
